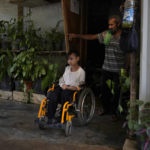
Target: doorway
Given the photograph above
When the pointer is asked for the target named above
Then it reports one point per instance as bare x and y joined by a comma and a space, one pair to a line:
98, 13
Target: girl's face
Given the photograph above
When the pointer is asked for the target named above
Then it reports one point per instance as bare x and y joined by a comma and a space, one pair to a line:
73, 60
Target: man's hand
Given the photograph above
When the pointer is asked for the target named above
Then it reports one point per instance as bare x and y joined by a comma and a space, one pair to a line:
72, 36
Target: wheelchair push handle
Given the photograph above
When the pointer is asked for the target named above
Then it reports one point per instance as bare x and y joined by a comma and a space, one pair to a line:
54, 83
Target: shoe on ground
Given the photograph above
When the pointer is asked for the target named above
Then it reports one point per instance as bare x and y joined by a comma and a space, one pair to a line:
114, 118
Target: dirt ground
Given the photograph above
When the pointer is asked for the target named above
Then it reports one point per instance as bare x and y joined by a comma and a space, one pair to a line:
18, 131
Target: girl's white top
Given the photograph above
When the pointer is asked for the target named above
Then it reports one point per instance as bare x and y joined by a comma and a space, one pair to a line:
72, 78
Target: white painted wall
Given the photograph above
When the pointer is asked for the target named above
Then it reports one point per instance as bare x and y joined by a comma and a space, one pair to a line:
44, 16
7, 10
145, 52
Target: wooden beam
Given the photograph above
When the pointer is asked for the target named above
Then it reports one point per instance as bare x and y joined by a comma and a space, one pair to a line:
16, 1
32, 3
134, 112
83, 30
64, 10
20, 11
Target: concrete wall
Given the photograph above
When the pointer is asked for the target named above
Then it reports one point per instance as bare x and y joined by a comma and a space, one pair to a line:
145, 52
7, 10
44, 16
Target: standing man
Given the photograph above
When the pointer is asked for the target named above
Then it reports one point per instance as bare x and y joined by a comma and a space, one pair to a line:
113, 62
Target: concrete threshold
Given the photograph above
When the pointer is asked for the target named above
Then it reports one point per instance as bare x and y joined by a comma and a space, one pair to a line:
130, 145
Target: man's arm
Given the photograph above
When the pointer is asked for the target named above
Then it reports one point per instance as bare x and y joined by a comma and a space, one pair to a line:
83, 36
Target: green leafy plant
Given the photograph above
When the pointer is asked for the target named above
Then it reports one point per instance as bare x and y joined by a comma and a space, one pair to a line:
54, 38
12, 29
52, 76
16, 31
3, 28
22, 34
6, 62
5, 43
28, 66
32, 37
140, 126
124, 81
110, 85
124, 86
21, 37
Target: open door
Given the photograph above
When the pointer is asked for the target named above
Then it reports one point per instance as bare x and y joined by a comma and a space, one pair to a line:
75, 21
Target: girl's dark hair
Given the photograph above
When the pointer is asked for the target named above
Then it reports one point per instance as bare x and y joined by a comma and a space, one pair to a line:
73, 52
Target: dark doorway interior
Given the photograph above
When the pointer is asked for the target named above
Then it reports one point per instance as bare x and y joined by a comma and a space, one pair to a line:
98, 14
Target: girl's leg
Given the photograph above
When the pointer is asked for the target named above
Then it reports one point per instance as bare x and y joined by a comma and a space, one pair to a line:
66, 95
53, 99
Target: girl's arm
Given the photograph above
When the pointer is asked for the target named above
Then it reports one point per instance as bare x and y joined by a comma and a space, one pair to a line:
81, 81
61, 81
73, 88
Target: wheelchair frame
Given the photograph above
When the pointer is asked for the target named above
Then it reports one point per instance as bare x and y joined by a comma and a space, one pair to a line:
66, 117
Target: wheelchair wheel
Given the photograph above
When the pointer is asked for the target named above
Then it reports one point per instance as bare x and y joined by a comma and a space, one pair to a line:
42, 123
68, 128
86, 106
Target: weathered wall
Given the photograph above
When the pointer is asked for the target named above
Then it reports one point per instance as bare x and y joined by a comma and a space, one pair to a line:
44, 16
7, 10
145, 52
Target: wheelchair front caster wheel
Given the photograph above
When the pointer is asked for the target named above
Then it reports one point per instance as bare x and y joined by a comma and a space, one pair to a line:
42, 123
68, 128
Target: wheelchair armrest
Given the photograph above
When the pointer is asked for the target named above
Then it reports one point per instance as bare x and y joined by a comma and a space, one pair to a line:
54, 83
82, 86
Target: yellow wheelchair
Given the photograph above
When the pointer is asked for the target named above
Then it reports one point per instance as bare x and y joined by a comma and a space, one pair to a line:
82, 107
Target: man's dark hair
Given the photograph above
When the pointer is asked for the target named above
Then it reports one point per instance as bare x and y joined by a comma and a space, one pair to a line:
117, 19
73, 52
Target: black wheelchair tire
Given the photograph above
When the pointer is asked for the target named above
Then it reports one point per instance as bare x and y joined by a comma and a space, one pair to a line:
41, 123
81, 118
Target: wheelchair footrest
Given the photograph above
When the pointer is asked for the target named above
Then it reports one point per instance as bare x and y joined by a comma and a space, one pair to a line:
36, 121
55, 126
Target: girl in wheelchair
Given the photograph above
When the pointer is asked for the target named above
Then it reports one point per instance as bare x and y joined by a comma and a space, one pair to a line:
72, 78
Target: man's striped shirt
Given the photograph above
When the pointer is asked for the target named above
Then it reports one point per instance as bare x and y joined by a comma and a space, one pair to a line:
114, 57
